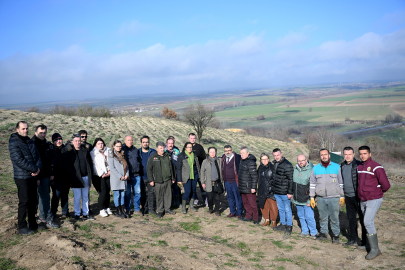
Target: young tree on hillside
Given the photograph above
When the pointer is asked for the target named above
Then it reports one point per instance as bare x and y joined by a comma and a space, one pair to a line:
168, 113
199, 117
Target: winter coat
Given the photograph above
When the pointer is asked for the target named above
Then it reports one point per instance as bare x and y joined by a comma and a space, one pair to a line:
326, 182
205, 176
144, 163
45, 152
24, 156
99, 166
236, 160
301, 184
199, 152
183, 169
373, 181
72, 166
154, 168
116, 172
58, 169
247, 175
355, 163
283, 177
132, 158
264, 190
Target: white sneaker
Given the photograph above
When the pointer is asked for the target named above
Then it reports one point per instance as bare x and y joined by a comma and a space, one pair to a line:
195, 202
103, 213
109, 211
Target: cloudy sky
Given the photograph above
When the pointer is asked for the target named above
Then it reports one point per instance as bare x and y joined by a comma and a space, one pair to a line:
57, 50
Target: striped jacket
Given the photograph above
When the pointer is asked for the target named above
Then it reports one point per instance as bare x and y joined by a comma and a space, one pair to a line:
326, 182
373, 181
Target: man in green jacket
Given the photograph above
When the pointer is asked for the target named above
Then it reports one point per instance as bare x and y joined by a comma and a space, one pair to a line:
161, 175
302, 173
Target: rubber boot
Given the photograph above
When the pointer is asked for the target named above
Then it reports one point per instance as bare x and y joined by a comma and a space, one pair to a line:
183, 207
191, 205
374, 250
120, 214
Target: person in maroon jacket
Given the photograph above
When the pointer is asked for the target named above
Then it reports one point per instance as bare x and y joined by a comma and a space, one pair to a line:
373, 183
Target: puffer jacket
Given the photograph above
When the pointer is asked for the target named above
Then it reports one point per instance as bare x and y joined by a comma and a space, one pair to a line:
264, 191
355, 164
183, 169
72, 166
247, 175
283, 177
301, 184
206, 170
24, 156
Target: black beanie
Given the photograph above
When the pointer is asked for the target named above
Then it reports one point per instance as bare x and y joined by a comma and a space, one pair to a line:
56, 136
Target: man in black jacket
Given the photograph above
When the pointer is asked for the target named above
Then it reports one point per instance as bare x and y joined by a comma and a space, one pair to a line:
26, 165
199, 152
349, 175
83, 139
45, 152
248, 178
282, 186
161, 175
134, 181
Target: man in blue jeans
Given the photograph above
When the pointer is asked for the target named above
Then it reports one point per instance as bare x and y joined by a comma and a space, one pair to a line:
134, 181
44, 149
282, 186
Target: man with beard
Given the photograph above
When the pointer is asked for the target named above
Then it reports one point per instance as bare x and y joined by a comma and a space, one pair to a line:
173, 152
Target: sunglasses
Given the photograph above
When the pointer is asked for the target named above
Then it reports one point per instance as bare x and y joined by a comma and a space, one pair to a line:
83, 136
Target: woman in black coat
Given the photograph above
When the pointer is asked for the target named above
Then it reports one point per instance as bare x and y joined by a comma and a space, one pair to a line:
267, 201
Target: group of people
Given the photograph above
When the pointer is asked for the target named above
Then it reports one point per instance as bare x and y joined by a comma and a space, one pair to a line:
148, 179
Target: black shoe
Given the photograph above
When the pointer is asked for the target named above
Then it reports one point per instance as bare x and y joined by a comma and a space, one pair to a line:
350, 243
77, 218
288, 230
321, 236
171, 212
152, 212
25, 231
280, 228
256, 222
88, 217
335, 239
159, 215
120, 214
247, 219
67, 215
51, 224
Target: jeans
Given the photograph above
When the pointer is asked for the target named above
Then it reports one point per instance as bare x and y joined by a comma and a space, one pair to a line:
60, 192
44, 199
134, 184
27, 202
82, 195
307, 219
369, 209
352, 209
234, 198
119, 197
189, 188
284, 209
329, 208
249, 201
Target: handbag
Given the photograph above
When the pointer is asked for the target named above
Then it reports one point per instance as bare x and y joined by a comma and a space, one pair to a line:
218, 187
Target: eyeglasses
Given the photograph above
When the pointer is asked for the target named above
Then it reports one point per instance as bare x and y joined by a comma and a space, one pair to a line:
264, 159
189, 147
83, 136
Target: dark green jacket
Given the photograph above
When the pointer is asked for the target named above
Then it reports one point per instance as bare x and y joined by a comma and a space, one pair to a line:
154, 168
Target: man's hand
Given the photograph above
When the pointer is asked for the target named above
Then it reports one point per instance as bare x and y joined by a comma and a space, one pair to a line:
308, 205
173, 181
152, 183
51, 178
36, 173
203, 185
126, 177
253, 190
313, 203
342, 201
289, 196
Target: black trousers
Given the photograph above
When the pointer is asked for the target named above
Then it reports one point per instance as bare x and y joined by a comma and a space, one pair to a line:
96, 181
352, 209
27, 202
213, 199
104, 194
60, 192
147, 196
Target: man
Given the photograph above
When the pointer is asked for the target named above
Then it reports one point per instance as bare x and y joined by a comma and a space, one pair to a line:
26, 165
78, 167
199, 152
83, 139
373, 183
147, 191
45, 152
59, 183
282, 187
161, 173
174, 142
248, 178
302, 173
327, 184
350, 185
131, 155
230, 167
173, 153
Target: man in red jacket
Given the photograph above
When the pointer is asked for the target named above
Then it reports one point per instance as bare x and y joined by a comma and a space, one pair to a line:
373, 182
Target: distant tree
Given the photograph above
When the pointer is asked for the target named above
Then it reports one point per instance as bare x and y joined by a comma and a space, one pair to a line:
260, 117
33, 109
168, 113
310, 109
393, 118
199, 117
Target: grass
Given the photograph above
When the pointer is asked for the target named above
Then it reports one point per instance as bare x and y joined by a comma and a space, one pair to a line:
76, 259
281, 245
6, 263
190, 226
280, 259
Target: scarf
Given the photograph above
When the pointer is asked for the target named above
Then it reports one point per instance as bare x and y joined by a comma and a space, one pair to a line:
105, 157
190, 163
325, 164
122, 161
214, 172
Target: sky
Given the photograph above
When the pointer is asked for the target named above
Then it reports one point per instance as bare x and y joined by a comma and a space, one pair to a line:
62, 50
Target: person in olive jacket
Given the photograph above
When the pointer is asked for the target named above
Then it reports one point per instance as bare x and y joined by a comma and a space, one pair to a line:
302, 174
161, 175
282, 187
26, 165
267, 201
247, 177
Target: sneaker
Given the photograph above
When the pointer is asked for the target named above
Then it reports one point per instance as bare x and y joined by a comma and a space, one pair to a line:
303, 235
77, 218
51, 224
312, 237
25, 231
280, 228
109, 211
103, 213
88, 217
321, 236
335, 239
195, 202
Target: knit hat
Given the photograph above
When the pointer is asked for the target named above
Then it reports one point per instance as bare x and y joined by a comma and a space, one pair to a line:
56, 136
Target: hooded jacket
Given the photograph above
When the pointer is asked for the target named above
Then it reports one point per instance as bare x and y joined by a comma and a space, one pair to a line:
247, 175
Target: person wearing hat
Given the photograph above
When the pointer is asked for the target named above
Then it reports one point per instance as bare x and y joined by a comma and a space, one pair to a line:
59, 185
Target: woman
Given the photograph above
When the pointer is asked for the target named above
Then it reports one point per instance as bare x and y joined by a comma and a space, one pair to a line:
267, 201
119, 175
211, 174
101, 175
188, 170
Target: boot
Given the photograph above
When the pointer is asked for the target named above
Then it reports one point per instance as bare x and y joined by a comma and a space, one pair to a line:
273, 223
191, 205
288, 230
280, 228
374, 250
124, 212
266, 223
120, 214
183, 206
